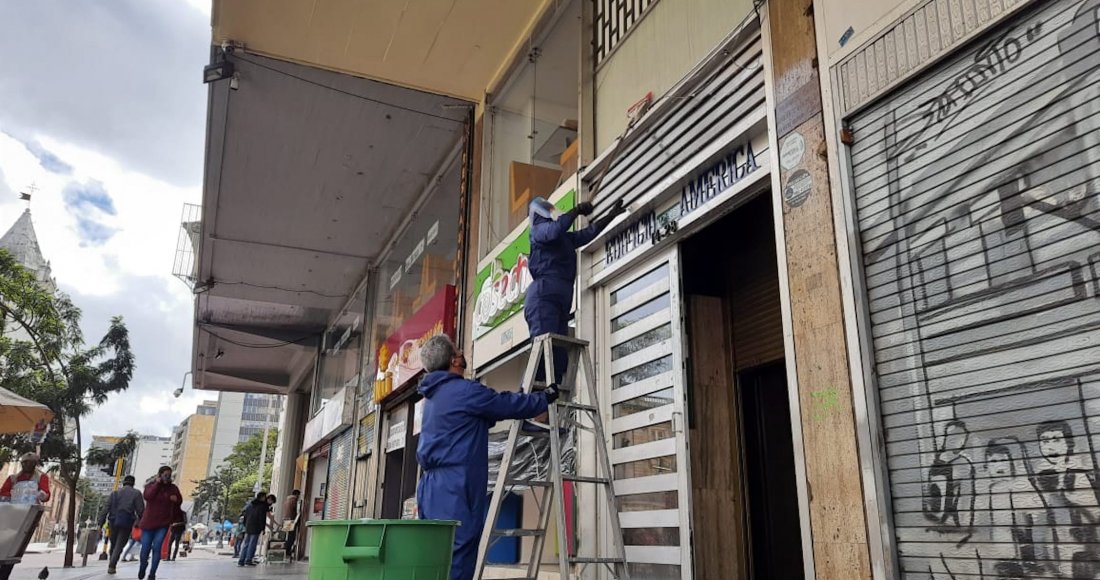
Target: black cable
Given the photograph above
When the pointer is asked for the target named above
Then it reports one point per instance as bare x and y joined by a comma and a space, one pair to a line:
206, 329
264, 287
348, 93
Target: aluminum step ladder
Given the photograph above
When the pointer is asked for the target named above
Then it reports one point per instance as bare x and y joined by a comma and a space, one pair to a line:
548, 490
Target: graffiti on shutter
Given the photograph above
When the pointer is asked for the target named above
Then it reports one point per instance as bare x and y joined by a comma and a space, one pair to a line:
977, 194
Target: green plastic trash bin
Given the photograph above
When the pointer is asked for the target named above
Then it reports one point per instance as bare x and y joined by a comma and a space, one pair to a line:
380, 549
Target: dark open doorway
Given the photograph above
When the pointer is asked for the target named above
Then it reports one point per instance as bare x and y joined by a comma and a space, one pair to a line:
744, 510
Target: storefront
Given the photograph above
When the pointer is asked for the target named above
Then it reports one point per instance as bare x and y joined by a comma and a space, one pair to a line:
688, 332
974, 188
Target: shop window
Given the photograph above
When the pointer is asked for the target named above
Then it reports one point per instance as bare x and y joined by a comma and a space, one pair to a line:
531, 144
420, 265
342, 353
645, 281
642, 342
643, 435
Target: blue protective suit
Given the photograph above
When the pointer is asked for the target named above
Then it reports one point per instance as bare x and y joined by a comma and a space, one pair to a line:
454, 454
553, 265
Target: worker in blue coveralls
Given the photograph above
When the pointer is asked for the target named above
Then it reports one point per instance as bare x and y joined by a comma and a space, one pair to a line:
454, 444
553, 265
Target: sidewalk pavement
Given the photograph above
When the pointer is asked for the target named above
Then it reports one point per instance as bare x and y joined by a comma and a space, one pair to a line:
201, 564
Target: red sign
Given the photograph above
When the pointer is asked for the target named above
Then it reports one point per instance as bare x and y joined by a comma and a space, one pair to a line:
399, 357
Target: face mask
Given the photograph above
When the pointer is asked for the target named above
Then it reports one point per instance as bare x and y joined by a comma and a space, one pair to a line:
462, 364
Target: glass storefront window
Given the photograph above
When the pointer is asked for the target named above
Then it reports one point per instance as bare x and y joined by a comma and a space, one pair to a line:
342, 352
642, 342
532, 129
653, 571
645, 281
420, 265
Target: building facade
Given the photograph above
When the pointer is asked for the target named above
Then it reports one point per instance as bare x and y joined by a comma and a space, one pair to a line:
239, 417
191, 443
844, 330
150, 454
101, 482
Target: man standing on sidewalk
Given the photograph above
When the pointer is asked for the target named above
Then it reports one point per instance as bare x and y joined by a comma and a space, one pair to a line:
255, 519
123, 510
290, 520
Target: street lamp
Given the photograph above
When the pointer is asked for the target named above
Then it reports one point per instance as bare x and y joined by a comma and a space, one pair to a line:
183, 383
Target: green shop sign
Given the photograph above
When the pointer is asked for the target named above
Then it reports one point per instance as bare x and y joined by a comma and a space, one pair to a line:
501, 286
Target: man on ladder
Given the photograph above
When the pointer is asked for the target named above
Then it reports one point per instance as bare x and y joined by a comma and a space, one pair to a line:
553, 266
454, 444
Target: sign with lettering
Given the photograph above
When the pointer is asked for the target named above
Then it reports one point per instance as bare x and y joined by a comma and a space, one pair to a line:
399, 357
649, 228
502, 284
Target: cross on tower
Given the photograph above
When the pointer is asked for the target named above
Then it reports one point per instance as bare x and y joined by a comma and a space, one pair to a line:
26, 195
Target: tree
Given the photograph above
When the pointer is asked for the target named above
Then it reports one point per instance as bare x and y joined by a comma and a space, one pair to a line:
43, 357
231, 487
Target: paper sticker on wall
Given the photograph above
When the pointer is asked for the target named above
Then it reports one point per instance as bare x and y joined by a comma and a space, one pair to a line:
791, 150
798, 188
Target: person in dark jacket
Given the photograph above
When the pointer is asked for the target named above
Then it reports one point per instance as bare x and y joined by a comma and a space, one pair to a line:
162, 501
454, 444
553, 265
123, 510
255, 519
179, 524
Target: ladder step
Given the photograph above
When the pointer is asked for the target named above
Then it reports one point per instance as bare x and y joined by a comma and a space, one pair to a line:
585, 479
529, 482
572, 405
518, 533
597, 561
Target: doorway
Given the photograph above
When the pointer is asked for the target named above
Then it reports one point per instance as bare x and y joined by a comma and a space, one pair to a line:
744, 513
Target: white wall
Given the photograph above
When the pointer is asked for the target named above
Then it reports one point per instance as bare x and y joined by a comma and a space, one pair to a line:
661, 50
149, 456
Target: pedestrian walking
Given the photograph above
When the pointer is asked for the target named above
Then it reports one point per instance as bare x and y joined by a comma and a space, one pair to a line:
162, 501
124, 509
454, 444
255, 517
290, 520
135, 541
176, 531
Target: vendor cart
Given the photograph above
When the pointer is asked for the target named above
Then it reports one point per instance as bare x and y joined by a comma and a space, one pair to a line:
17, 525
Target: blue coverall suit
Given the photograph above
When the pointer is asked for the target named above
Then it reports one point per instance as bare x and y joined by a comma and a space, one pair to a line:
454, 454
553, 265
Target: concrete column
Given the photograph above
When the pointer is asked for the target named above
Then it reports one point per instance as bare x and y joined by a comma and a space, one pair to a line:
293, 429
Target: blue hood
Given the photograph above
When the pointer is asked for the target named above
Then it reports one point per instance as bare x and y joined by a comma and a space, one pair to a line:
431, 382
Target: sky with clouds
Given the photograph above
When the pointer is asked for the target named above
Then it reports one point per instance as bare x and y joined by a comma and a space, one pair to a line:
102, 107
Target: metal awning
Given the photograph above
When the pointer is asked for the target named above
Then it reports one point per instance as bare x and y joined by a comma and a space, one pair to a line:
309, 176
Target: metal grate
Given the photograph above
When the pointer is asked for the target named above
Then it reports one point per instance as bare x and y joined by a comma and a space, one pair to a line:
186, 266
614, 19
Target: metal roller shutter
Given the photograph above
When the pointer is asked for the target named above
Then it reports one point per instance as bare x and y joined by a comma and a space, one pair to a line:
339, 476
976, 197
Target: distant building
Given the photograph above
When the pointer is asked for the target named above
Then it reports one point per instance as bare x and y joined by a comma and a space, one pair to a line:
191, 443
150, 454
240, 416
100, 481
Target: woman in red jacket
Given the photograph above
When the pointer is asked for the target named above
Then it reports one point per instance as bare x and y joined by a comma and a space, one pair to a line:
162, 500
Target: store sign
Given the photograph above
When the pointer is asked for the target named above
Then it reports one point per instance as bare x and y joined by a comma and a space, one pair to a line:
501, 285
648, 229
399, 357
716, 179
332, 418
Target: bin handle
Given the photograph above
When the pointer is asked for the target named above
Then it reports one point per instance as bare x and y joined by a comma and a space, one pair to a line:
367, 553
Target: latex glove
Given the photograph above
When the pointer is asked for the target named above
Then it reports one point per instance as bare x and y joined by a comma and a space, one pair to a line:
585, 208
552, 393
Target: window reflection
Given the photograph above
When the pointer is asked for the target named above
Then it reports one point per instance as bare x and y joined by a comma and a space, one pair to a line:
642, 372
641, 435
652, 307
642, 342
646, 467
644, 502
645, 281
643, 403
